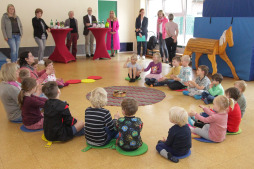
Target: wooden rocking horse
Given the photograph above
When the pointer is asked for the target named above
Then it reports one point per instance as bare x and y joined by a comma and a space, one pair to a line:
212, 47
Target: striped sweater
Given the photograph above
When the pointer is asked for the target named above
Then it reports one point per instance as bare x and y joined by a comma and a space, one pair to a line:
96, 119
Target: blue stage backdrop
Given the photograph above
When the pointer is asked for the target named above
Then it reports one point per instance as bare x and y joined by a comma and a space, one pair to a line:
228, 8
241, 54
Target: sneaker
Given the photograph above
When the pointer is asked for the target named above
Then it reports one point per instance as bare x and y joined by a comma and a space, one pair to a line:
132, 80
41, 62
172, 158
88, 56
138, 57
143, 57
92, 55
197, 97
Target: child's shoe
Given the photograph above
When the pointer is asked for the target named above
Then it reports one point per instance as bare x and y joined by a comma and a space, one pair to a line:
197, 97
186, 93
172, 158
132, 80
66, 84
206, 101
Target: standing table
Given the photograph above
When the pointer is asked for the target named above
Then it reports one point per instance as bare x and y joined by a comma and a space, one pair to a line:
61, 52
101, 50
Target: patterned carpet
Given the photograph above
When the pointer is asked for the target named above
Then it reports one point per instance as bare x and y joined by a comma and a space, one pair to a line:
144, 95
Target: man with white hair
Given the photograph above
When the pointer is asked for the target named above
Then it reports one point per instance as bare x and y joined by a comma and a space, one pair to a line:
88, 21
72, 36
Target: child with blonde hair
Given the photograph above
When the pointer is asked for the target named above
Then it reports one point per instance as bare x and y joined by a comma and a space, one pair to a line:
181, 81
9, 91
134, 68
156, 69
129, 137
99, 126
241, 86
178, 142
234, 113
30, 104
214, 126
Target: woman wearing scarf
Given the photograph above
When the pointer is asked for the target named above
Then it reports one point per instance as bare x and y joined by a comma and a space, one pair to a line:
40, 33
161, 34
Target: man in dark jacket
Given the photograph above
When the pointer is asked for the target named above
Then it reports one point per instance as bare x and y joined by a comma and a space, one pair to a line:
88, 21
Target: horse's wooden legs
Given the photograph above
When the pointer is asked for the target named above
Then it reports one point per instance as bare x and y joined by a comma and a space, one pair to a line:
198, 55
212, 59
224, 57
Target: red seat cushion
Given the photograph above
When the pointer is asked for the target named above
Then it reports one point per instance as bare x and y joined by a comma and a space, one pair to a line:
73, 81
94, 77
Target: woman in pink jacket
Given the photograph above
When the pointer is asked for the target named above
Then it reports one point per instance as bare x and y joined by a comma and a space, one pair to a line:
161, 34
113, 42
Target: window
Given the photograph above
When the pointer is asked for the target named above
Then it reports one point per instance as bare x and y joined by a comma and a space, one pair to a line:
184, 10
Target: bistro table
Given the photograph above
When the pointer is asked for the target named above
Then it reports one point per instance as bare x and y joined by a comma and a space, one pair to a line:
101, 50
61, 52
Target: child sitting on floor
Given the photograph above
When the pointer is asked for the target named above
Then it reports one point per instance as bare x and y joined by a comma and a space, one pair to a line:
178, 142
58, 124
234, 113
181, 81
215, 89
241, 86
30, 104
174, 72
52, 77
214, 126
129, 126
99, 126
156, 69
23, 73
134, 68
200, 85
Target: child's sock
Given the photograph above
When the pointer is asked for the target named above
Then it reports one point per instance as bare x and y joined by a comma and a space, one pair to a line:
191, 122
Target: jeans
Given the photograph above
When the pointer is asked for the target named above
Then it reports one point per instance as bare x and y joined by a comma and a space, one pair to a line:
171, 46
110, 135
14, 45
163, 47
76, 133
144, 45
17, 120
162, 83
42, 44
161, 145
208, 97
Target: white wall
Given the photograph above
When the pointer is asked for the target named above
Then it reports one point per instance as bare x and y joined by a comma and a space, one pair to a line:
58, 9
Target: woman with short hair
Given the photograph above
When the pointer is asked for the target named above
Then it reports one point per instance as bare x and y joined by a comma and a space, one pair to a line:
40, 33
12, 31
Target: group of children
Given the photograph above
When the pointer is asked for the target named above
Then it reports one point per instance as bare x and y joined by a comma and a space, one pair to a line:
100, 128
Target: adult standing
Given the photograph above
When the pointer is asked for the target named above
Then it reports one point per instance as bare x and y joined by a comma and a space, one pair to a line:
88, 21
141, 30
72, 37
161, 33
12, 31
25, 62
113, 42
40, 33
9, 91
171, 37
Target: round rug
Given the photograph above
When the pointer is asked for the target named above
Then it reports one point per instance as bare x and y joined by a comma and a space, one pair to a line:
144, 95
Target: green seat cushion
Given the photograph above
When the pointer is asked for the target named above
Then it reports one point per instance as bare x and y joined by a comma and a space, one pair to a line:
141, 150
110, 145
239, 131
127, 78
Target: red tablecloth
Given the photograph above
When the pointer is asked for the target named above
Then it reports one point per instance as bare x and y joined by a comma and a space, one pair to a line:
101, 50
61, 53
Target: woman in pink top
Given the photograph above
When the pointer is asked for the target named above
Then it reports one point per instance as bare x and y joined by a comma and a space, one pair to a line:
113, 42
162, 33
216, 128
26, 60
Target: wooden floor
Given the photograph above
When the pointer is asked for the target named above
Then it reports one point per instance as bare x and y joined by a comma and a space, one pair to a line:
26, 150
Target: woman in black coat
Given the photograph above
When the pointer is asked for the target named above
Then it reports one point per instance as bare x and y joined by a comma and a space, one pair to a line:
40, 33
141, 30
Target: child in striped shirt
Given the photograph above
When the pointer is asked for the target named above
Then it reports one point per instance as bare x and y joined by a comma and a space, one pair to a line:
99, 126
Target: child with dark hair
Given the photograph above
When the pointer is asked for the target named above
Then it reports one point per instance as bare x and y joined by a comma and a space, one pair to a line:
129, 126
200, 85
215, 89
234, 114
58, 125
23, 73
52, 77
30, 104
